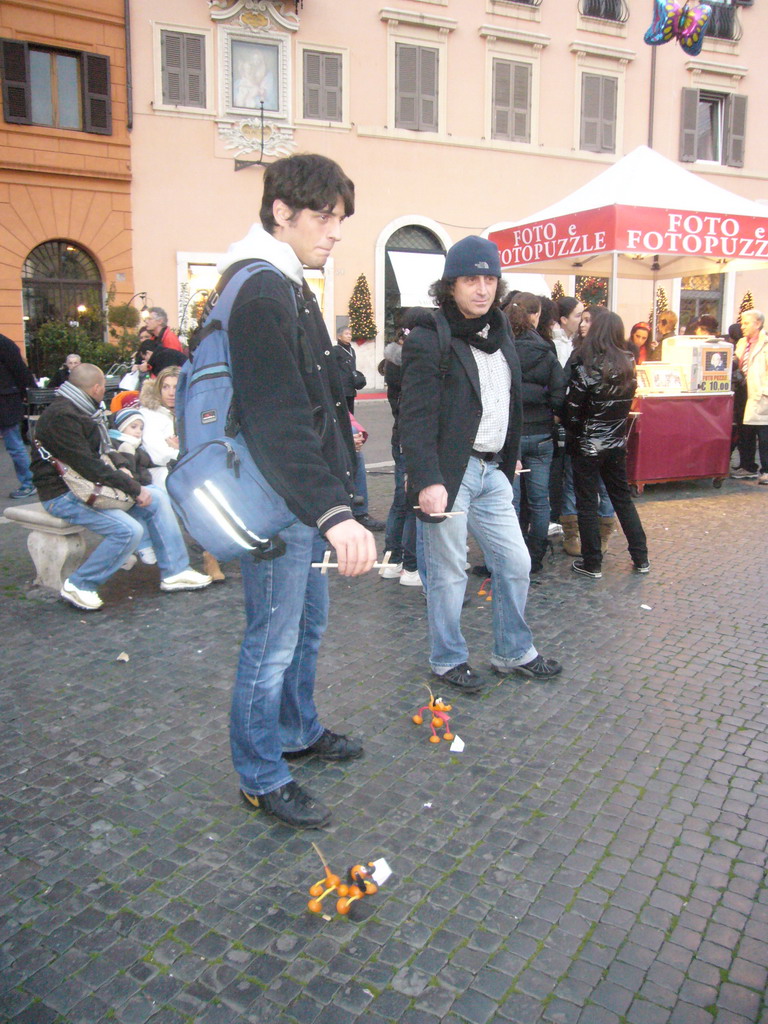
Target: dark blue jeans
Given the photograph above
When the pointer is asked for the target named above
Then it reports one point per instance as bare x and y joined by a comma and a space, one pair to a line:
611, 467
536, 455
400, 538
273, 703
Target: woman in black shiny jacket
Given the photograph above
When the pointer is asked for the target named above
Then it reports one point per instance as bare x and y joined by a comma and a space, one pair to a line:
600, 392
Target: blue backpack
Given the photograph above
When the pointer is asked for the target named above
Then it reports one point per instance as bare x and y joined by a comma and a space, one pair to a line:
216, 488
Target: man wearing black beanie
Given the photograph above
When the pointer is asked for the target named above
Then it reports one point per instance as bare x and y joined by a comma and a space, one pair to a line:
460, 425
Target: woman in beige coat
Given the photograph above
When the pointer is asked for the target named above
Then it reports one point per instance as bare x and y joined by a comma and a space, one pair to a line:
752, 357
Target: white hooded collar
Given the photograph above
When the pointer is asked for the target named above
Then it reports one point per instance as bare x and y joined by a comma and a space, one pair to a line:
258, 244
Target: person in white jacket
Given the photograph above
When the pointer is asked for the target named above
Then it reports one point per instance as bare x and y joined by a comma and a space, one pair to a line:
158, 407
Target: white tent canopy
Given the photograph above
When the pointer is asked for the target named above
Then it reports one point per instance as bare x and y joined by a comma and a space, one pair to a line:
643, 216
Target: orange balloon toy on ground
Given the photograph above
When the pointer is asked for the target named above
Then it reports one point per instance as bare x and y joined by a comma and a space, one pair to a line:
438, 709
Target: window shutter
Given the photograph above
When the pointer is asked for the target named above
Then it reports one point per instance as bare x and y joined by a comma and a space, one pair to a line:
15, 71
428, 98
501, 125
590, 113
97, 104
406, 76
521, 103
194, 66
332, 82
689, 125
609, 95
735, 130
312, 83
172, 67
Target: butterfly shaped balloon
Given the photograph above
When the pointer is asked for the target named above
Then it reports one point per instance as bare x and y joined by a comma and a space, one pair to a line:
684, 21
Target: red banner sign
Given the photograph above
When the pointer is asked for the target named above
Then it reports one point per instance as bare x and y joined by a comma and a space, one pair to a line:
634, 229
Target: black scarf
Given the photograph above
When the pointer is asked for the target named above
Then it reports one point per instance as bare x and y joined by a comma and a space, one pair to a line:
483, 332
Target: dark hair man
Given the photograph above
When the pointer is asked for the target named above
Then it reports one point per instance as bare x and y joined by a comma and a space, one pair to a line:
460, 425
15, 378
290, 404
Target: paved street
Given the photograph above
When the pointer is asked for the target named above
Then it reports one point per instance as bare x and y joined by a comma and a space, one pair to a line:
596, 855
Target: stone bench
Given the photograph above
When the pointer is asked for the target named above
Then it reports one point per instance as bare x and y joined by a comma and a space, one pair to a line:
56, 546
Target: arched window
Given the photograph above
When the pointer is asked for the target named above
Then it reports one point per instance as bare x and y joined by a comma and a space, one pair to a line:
61, 281
414, 260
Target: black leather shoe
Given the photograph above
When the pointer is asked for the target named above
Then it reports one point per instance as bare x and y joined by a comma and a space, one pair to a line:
290, 804
374, 525
464, 678
539, 668
330, 747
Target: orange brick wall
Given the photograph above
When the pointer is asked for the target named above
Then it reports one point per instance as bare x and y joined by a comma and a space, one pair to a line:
56, 183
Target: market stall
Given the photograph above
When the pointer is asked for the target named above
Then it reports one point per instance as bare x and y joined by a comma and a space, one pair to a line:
645, 217
682, 416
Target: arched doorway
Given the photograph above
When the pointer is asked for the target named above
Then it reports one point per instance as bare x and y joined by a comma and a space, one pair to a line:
61, 282
414, 259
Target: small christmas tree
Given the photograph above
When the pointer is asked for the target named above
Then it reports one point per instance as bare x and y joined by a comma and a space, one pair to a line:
361, 321
558, 292
748, 302
661, 304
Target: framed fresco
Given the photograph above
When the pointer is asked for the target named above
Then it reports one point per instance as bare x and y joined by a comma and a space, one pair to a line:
255, 72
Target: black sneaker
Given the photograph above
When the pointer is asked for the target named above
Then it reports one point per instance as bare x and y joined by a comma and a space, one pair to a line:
374, 525
579, 567
642, 567
540, 668
464, 678
330, 747
290, 804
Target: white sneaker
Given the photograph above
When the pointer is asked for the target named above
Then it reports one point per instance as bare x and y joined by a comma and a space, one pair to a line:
148, 556
189, 579
88, 600
129, 562
391, 571
410, 579
555, 530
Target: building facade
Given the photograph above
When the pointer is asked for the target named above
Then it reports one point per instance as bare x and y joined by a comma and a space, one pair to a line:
65, 172
449, 115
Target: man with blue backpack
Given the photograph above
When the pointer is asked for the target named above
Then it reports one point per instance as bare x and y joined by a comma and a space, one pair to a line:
290, 411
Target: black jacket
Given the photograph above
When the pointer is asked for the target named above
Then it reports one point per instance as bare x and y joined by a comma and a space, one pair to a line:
288, 398
439, 417
596, 411
73, 437
15, 378
346, 361
543, 383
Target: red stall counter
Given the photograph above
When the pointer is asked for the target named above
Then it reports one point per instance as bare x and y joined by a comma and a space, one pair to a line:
679, 437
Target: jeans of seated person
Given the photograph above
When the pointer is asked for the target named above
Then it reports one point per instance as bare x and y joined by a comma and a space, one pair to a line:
400, 537
485, 495
611, 465
18, 453
273, 705
122, 533
604, 506
536, 456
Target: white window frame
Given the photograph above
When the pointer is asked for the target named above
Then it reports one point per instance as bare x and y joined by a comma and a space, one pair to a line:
521, 47
420, 30
158, 27
609, 62
314, 122
228, 36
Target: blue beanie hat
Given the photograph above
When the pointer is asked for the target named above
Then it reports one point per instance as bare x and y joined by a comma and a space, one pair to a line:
472, 256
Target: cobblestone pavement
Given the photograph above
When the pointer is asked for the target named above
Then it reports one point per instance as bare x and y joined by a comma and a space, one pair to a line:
596, 854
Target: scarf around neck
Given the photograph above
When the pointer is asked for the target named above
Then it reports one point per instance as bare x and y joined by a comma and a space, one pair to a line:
87, 405
483, 332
